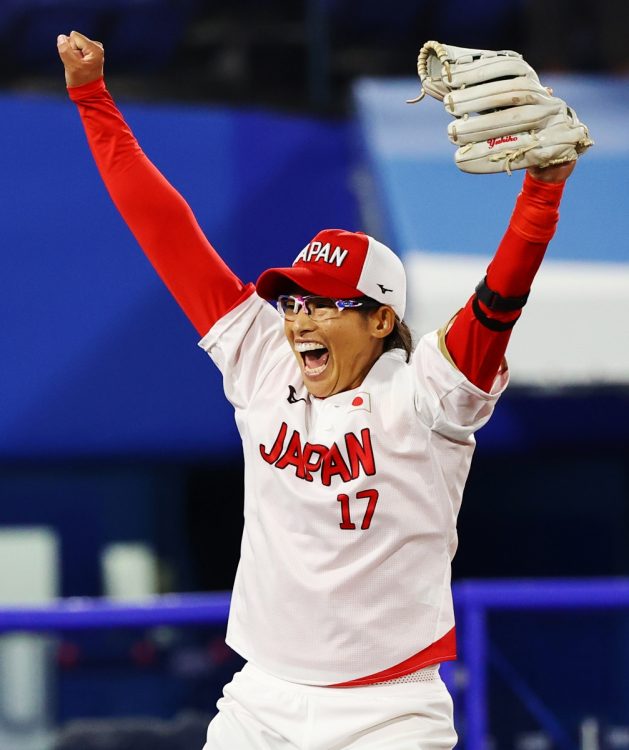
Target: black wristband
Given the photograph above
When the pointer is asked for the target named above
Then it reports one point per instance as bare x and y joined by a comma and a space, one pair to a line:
491, 323
497, 302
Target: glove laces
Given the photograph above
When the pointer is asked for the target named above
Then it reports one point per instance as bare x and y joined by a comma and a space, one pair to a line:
429, 50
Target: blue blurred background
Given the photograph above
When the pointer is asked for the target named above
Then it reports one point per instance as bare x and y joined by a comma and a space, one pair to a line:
114, 432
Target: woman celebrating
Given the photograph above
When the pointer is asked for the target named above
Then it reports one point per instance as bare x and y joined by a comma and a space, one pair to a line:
356, 445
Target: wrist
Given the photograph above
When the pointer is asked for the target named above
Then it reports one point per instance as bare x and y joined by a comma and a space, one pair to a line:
557, 173
83, 90
542, 191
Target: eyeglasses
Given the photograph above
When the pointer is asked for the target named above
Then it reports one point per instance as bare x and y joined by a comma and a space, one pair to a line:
318, 308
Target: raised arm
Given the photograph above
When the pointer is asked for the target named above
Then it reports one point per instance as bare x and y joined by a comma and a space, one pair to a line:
160, 219
477, 339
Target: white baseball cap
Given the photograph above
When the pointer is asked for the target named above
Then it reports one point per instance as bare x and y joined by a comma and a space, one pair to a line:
343, 265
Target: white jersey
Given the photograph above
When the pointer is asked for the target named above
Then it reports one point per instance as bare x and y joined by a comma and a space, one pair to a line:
350, 502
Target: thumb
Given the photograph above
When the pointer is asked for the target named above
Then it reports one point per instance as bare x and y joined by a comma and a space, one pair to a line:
67, 53
85, 47
80, 41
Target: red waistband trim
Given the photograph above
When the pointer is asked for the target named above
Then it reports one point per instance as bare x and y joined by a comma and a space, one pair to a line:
442, 650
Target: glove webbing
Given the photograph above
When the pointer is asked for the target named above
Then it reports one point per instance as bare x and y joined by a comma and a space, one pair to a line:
425, 52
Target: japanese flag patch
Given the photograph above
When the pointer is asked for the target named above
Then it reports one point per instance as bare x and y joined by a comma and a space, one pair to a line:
361, 400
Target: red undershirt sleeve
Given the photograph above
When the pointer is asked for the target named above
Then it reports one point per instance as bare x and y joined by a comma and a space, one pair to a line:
160, 219
474, 348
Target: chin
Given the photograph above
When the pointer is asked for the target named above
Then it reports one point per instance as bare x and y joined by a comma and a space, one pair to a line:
319, 388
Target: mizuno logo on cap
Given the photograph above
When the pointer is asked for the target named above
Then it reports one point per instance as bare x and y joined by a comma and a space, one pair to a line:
316, 251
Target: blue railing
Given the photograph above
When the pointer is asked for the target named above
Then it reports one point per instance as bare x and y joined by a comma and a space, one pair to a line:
474, 600
88, 613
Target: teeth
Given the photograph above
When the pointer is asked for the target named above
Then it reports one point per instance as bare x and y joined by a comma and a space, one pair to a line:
308, 346
315, 370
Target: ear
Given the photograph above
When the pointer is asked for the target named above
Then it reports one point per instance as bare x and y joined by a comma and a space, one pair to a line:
381, 321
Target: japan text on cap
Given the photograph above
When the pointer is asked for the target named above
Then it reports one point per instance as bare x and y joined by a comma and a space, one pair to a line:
343, 265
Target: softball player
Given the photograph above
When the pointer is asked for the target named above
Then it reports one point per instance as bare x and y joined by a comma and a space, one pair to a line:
356, 450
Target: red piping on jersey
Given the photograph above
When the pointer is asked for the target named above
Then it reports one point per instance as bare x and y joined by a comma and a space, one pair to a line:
442, 650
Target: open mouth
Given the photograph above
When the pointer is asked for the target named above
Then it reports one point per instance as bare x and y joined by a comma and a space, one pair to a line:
315, 357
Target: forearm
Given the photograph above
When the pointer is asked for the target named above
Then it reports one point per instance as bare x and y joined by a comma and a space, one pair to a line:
478, 338
160, 219
532, 226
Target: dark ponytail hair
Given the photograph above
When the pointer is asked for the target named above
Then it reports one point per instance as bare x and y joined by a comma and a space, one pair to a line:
400, 338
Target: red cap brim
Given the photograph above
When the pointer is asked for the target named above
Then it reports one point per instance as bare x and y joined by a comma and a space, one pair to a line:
276, 281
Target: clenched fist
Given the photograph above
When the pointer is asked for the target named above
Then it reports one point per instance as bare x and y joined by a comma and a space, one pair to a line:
82, 58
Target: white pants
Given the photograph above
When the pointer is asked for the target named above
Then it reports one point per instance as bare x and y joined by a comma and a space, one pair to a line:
261, 712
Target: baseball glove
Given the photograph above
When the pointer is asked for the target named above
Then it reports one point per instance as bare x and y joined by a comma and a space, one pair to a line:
504, 118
